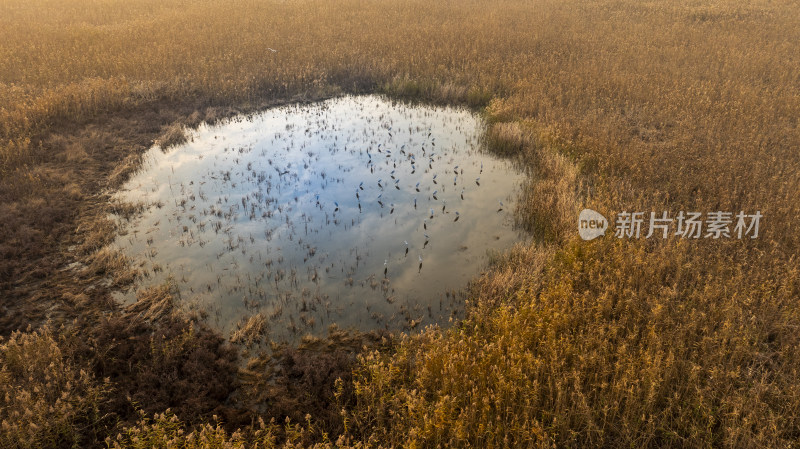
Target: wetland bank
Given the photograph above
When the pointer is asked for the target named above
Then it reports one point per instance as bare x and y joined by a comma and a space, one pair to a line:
612, 105
357, 211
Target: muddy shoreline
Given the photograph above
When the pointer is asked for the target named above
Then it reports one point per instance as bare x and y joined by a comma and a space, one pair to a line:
56, 275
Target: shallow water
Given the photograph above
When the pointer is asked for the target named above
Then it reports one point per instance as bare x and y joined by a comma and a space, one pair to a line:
357, 211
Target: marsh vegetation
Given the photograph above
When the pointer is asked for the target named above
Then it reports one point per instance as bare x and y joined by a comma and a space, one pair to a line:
613, 105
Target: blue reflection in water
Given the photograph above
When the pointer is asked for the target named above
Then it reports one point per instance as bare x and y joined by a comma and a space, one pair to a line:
356, 211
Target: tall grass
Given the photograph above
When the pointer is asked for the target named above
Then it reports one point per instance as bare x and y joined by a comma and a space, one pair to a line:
613, 105
46, 398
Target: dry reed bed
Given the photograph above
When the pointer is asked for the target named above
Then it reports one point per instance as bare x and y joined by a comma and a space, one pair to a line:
615, 105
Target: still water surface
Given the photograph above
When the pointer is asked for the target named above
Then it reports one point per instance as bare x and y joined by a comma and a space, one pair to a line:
357, 211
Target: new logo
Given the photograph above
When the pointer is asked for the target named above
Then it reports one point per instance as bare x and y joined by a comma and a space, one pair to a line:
591, 224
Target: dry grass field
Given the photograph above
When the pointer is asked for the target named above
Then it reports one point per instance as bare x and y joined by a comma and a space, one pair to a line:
611, 104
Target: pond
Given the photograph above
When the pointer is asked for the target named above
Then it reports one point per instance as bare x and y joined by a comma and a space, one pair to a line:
358, 211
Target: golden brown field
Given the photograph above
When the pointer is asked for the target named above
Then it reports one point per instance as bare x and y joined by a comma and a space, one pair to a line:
612, 104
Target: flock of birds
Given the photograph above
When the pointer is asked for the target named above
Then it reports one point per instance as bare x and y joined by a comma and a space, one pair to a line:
311, 199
